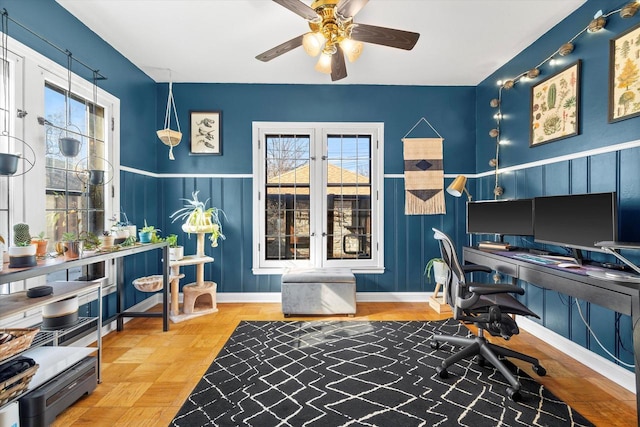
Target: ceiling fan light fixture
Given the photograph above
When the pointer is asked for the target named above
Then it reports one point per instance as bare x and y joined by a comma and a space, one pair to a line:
352, 49
312, 43
324, 63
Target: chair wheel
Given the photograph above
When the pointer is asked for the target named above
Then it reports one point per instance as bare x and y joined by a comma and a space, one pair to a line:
513, 394
442, 372
434, 344
538, 369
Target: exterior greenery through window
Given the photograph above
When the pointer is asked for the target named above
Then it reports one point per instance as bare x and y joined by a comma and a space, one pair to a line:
315, 196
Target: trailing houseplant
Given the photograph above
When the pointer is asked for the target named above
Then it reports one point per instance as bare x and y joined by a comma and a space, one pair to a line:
197, 218
90, 242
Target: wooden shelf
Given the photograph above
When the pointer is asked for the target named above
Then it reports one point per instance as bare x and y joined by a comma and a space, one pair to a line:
190, 260
19, 302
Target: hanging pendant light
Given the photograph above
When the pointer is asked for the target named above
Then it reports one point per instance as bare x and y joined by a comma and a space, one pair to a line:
68, 144
9, 161
167, 135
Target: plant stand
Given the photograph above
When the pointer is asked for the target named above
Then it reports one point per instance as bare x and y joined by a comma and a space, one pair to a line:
200, 296
437, 302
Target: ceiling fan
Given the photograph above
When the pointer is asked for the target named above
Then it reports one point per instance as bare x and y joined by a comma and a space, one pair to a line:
334, 34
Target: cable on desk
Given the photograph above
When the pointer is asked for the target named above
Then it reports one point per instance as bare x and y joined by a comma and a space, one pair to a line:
598, 341
619, 337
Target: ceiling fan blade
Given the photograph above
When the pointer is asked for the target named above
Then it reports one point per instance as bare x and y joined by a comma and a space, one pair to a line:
349, 8
384, 36
280, 49
338, 67
299, 8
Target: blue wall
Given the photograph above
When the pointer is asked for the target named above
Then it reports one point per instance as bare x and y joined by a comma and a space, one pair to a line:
449, 109
610, 171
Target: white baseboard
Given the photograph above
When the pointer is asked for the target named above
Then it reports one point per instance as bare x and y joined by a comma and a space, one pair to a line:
275, 297
393, 296
615, 373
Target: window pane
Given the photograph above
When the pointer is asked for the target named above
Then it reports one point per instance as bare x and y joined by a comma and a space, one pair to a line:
349, 197
287, 197
74, 203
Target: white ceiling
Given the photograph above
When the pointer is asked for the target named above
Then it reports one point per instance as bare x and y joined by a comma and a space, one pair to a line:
216, 41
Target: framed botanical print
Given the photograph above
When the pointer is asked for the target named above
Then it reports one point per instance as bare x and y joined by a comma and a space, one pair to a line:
555, 104
206, 132
624, 75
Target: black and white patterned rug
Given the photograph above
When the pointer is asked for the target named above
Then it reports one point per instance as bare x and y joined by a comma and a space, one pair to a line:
355, 373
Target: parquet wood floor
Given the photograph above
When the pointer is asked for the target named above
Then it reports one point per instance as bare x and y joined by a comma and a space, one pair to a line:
148, 374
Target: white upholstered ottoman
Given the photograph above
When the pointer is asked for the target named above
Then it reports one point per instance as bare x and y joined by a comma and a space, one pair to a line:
319, 291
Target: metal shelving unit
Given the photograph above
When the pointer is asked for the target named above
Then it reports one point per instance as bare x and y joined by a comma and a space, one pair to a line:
49, 349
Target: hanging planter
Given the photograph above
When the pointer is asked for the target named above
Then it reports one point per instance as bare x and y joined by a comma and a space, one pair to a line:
94, 170
9, 162
69, 147
167, 135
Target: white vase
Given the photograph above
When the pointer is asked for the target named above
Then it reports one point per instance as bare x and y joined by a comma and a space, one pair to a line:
22, 250
440, 272
176, 254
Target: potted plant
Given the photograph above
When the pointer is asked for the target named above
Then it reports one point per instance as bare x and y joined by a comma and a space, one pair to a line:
197, 218
71, 246
41, 244
123, 228
23, 252
148, 233
440, 270
106, 239
90, 242
176, 252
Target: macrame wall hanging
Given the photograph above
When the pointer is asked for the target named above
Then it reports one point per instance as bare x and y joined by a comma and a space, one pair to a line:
423, 174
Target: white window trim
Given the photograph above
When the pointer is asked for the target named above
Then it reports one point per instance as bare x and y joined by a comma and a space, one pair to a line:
29, 96
318, 132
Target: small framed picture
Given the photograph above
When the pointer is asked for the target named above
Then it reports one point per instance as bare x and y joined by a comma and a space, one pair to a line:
206, 132
555, 106
624, 80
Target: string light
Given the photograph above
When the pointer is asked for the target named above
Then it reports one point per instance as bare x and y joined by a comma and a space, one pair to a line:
599, 22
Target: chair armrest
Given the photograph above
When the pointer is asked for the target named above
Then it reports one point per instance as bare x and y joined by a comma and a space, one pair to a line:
482, 289
470, 268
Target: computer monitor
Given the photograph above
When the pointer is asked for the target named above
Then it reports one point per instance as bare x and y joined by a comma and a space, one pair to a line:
576, 221
504, 217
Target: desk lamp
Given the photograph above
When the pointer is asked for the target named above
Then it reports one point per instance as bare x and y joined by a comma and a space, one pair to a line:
458, 186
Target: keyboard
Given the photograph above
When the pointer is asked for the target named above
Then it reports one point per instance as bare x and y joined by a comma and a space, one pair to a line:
536, 259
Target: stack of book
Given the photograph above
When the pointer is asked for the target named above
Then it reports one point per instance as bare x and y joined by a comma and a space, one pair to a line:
495, 246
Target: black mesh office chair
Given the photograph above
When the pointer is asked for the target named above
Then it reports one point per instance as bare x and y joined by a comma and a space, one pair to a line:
489, 307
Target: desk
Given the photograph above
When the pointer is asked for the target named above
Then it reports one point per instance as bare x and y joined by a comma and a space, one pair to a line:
622, 297
51, 265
